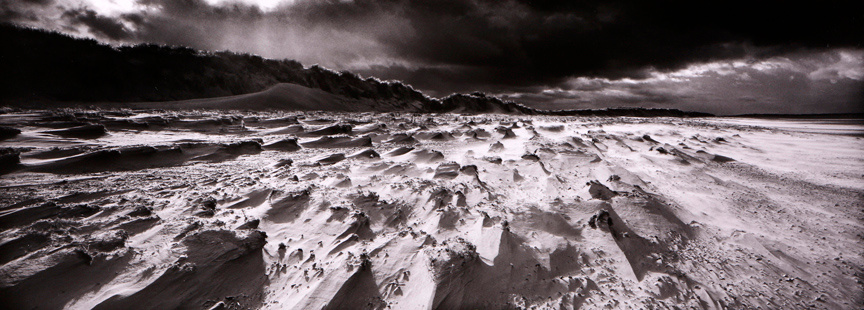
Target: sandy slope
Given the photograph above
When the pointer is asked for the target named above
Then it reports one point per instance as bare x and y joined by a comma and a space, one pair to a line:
280, 97
409, 211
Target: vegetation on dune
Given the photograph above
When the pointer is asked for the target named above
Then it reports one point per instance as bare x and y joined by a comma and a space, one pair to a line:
47, 65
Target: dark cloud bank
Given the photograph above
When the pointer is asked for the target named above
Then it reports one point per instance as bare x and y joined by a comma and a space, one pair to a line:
720, 57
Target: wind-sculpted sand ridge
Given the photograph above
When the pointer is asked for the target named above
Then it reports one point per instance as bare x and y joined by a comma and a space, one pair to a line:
198, 210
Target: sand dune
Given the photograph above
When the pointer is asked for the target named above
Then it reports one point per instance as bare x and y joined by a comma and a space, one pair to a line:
200, 210
282, 96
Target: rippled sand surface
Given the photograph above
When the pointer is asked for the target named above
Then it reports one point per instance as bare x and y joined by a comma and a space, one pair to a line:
162, 210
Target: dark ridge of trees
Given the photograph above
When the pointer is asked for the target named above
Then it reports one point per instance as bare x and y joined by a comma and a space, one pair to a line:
43, 65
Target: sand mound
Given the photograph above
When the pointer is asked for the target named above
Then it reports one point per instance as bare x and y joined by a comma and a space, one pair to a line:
91, 131
599, 191
56, 153
279, 97
71, 274
145, 157
506, 132
366, 154
338, 142
402, 138
478, 134
288, 130
8, 132
275, 122
441, 136
219, 266
427, 156
331, 159
9, 159
221, 124
402, 150
553, 128
252, 199
288, 208
286, 145
447, 170
330, 130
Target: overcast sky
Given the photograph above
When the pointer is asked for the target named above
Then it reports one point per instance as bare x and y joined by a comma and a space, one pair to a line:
724, 57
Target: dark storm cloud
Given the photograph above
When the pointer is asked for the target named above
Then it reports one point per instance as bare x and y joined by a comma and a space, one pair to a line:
100, 25
40, 2
801, 82
14, 11
496, 45
546, 41
510, 46
540, 41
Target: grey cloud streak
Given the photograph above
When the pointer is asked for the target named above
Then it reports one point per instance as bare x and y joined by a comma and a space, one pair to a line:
805, 82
